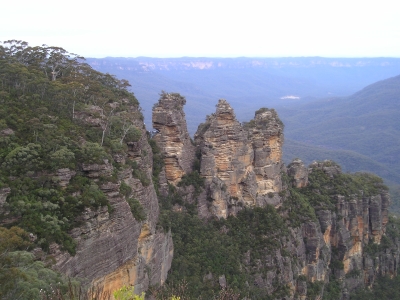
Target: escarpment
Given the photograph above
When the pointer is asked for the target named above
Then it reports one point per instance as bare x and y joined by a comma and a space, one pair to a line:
115, 247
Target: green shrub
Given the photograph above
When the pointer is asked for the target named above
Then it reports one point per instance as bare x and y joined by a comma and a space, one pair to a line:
93, 153
23, 159
141, 175
218, 247
332, 290
158, 163
194, 179
336, 264
125, 189
137, 209
314, 289
92, 196
127, 293
62, 158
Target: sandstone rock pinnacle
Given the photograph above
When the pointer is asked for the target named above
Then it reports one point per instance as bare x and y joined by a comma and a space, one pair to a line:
299, 172
173, 137
246, 158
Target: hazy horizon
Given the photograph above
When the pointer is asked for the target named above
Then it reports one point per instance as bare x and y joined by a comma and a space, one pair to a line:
251, 57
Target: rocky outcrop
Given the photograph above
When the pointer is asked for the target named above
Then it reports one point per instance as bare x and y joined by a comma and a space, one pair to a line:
298, 171
318, 253
266, 134
92, 115
335, 245
96, 170
63, 176
329, 167
241, 163
3, 197
358, 222
172, 136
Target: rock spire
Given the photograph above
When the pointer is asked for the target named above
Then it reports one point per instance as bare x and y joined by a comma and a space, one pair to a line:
172, 136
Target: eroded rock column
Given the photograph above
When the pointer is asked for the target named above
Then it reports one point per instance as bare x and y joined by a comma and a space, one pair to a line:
247, 159
172, 136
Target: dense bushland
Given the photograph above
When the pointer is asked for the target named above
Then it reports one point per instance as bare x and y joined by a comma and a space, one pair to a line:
206, 250
45, 94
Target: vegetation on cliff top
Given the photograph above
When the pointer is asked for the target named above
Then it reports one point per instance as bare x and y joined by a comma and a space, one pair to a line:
56, 113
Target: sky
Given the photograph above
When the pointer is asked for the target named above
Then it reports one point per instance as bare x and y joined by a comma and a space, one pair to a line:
207, 28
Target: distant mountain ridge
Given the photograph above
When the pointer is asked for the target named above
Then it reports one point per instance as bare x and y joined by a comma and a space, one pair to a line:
203, 63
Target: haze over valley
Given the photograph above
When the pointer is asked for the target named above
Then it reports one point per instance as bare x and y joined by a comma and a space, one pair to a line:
325, 104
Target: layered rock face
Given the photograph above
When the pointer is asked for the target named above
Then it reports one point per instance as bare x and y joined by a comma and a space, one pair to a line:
113, 248
356, 222
173, 137
241, 164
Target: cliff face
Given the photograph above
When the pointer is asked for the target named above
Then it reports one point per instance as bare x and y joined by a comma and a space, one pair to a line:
302, 228
172, 136
113, 248
246, 160
330, 248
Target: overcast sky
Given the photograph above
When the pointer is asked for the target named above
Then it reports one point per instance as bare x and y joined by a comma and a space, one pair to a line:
217, 28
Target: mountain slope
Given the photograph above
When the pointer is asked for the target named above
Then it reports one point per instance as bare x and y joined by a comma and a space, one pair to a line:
349, 160
366, 123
